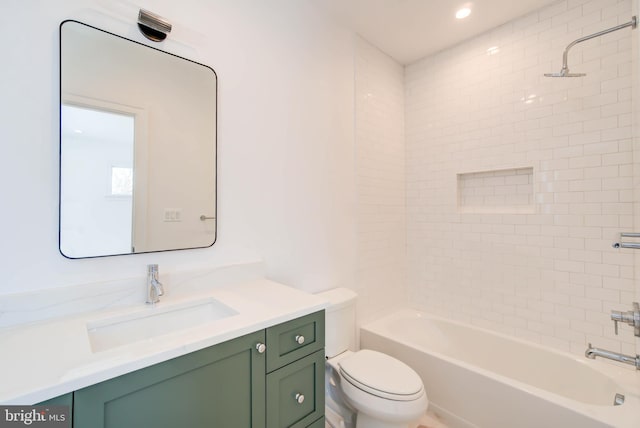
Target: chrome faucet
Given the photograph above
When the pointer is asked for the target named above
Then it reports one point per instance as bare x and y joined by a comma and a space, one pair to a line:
592, 353
154, 287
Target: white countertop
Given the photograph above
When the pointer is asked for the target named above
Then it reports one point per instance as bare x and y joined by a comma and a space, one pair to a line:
42, 360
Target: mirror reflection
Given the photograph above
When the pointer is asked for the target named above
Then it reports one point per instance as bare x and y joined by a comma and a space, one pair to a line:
137, 147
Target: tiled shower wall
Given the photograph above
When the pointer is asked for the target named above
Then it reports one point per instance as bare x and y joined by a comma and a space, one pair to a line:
380, 166
548, 274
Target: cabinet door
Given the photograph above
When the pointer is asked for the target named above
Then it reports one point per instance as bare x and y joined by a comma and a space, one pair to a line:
62, 406
62, 400
220, 386
295, 393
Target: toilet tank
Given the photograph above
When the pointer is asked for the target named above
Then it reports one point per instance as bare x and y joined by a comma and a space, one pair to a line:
340, 320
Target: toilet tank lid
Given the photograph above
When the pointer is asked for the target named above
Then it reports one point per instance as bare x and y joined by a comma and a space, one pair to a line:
338, 297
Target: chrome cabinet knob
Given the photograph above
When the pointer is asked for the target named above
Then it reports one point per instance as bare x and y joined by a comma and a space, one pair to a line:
299, 398
261, 347
299, 339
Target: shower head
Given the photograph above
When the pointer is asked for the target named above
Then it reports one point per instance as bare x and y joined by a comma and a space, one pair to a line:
564, 74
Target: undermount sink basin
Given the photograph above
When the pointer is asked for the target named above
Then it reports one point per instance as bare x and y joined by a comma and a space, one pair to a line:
152, 322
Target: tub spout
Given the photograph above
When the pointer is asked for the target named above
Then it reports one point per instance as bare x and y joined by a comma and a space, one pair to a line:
592, 353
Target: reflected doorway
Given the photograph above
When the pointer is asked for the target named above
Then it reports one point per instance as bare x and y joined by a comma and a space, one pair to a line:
97, 206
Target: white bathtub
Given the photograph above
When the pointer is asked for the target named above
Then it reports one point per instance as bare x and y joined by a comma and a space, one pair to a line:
476, 378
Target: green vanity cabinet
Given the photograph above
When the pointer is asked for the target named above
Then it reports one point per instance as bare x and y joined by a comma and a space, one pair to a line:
220, 386
235, 384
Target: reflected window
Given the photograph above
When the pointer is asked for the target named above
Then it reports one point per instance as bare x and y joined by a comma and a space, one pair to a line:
121, 181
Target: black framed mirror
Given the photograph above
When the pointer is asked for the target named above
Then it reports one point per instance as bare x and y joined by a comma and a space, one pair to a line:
137, 147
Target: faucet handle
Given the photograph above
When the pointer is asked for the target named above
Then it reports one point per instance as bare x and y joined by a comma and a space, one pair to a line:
631, 318
615, 317
636, 319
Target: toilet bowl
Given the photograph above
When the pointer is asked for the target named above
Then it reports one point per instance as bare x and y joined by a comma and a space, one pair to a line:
371, 388
384, 392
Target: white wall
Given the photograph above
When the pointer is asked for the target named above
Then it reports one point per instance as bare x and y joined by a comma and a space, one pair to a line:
285, 139
550, 276
380, 182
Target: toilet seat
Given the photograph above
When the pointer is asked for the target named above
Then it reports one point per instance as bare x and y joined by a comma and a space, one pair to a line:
380, 375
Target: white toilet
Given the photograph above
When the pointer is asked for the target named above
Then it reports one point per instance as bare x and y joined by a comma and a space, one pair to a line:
372, 388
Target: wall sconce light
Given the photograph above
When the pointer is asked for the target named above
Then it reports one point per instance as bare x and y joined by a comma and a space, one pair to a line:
152, 26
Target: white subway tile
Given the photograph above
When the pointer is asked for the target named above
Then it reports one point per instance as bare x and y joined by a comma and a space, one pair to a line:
547, 273
584, 209
602, 196
607, 271
623, 131
621, 284
588, 328
585, 256
586, 303
604, 294
569, 334
586, 279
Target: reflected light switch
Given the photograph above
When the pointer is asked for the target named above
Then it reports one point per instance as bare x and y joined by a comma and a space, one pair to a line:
172, 214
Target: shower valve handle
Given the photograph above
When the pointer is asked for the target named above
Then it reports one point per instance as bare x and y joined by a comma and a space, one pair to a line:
631, 318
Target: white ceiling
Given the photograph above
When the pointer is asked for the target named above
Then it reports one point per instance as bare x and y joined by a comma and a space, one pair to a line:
408, 30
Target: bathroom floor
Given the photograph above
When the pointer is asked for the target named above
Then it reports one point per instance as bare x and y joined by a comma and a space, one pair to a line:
430, 420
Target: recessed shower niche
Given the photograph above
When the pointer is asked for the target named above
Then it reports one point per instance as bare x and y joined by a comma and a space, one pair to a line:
504, 191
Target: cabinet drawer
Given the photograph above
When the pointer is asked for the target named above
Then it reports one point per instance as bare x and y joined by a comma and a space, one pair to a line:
295, 393
294, 339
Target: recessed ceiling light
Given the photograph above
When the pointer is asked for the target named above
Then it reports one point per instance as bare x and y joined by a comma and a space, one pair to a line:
463, 13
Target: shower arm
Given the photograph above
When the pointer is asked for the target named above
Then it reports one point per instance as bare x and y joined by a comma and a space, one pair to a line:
633, 24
